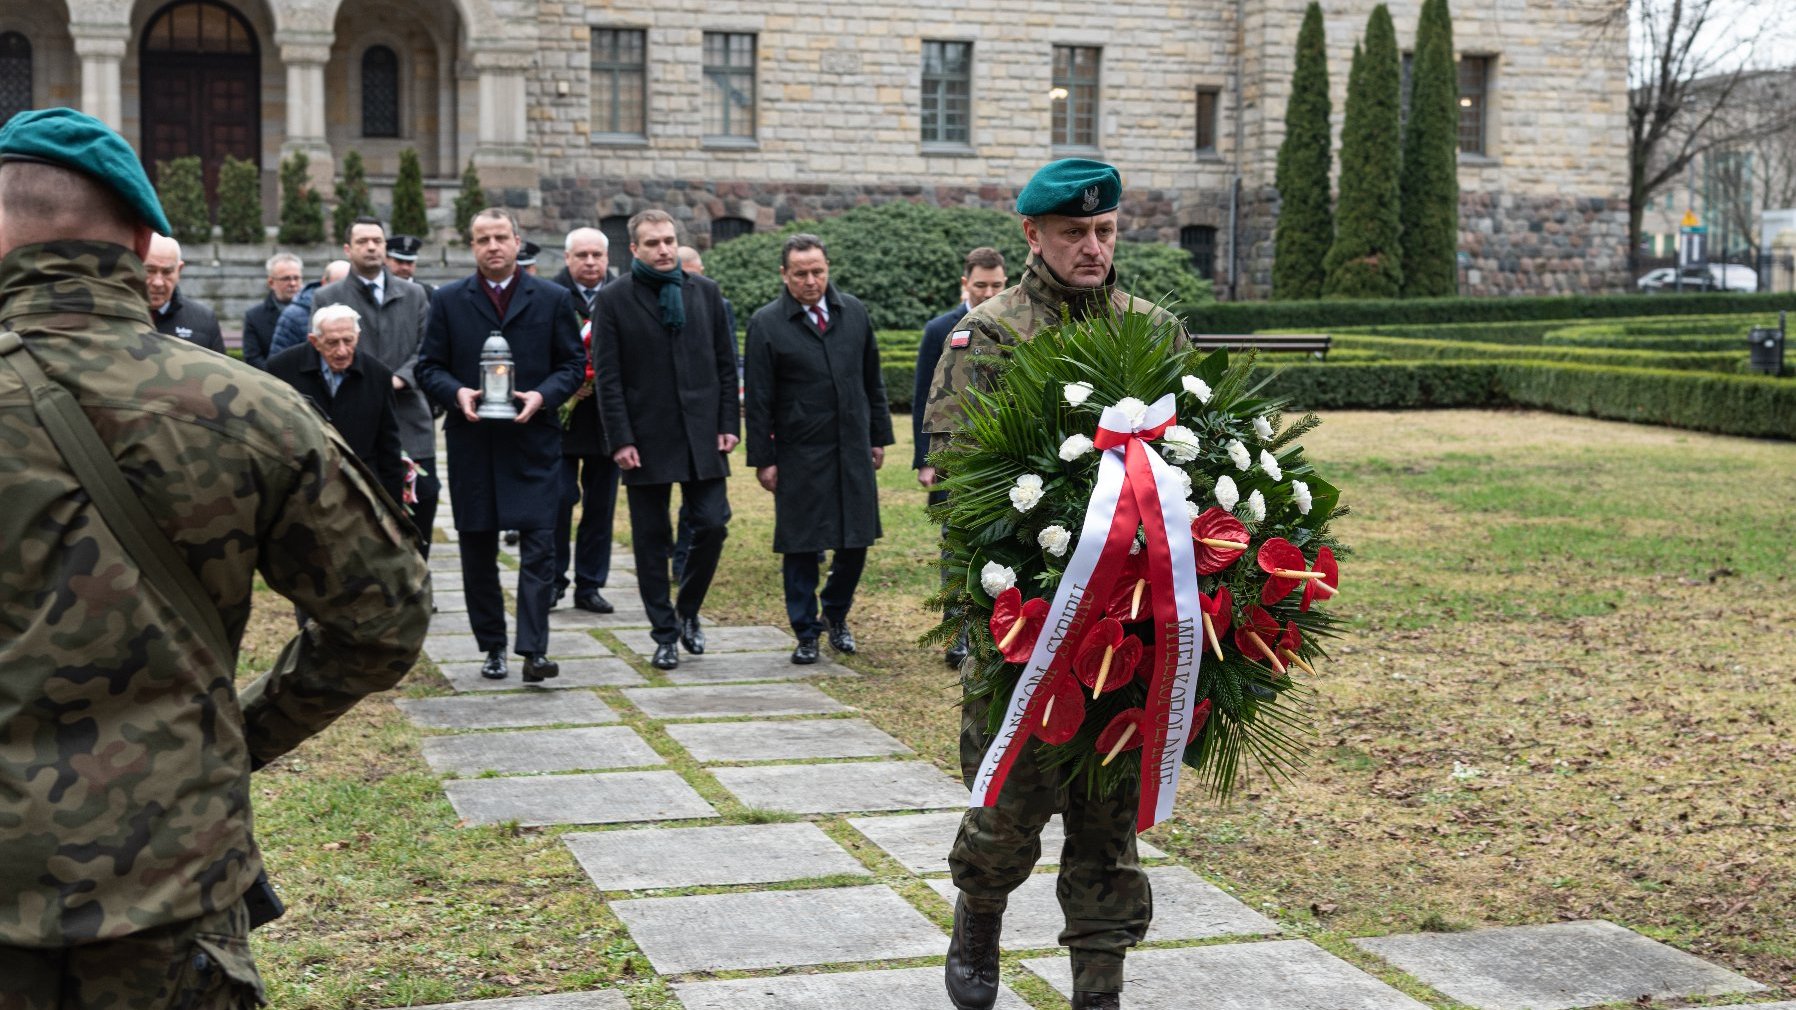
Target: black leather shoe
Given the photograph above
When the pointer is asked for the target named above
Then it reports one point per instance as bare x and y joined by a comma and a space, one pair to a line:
511, 538
494, 667
555, 600
666, 656
1097, 1001
973, 959
537, 669
692, 636
841, 639
806, 653
593, 603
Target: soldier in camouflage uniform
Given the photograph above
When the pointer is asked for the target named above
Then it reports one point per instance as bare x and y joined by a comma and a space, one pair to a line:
125, 749
1069, 214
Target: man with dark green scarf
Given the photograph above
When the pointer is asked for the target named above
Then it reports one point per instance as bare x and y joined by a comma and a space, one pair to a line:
664, 364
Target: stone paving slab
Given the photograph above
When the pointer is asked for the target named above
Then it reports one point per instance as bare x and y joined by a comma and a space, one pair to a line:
463, 649
602, 999
646, 858
838, 788
920, 842
744, 638
507, 711
727, 702
785, 740
1555, 966
1274, 975
608, 671
774, 929
605, 798
1186, 907
730, 667
449, 601
520, 752
892, 989
445, 560
627, 615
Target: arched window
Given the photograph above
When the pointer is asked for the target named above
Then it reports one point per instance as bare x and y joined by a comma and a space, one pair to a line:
199, 26
725, 228
380, 92
617, 232
1200, 241
15, 74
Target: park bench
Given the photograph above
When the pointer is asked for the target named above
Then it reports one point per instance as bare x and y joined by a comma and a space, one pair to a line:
1315, 344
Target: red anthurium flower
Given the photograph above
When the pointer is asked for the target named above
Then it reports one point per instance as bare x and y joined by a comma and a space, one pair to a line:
1220, 540
1062, 712
1133, 598
1144, 669
1326, 586
1255, 634
1288, 644
1107, 658
1016, 624
1218, 613
1199, 716
1284, 564
1126, 732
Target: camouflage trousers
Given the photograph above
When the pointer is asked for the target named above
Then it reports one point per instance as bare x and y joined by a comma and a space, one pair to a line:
1103, 891
201, 964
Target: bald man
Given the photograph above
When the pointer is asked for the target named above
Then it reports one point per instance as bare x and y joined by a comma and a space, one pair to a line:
173, 315
588, 473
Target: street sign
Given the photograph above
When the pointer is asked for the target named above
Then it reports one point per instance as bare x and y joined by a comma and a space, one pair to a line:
1690, 220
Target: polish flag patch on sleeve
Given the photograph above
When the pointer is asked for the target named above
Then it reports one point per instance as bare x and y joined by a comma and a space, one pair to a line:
960, 338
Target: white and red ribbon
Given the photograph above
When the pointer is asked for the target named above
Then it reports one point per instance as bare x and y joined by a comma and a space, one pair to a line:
1135, 489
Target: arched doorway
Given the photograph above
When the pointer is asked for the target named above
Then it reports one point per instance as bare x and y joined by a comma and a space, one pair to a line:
200, 79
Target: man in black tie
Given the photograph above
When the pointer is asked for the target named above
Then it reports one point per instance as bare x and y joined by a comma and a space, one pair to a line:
504, 474
587, 471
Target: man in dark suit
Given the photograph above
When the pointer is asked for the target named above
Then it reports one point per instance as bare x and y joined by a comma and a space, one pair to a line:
981, 278
393, 311
351, 389
666, 369
286, 275
174, 315
503, 474
587, 471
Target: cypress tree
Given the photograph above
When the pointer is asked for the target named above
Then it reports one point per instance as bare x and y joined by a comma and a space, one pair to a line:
352, 195
408, 197
240, 201
469, 202
182, 189
1431, 162
1366, 258
1305, 226
302, 207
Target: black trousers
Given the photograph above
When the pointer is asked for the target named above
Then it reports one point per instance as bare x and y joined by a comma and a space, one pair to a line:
800, 571
486, 604
707, 507
593, 480
424, 510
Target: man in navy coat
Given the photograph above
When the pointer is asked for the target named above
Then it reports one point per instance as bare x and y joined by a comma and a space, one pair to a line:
504, 475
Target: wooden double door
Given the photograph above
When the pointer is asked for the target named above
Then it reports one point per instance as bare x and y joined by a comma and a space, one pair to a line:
201, 88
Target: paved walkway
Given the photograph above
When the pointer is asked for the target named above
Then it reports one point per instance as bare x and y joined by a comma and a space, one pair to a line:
820, 845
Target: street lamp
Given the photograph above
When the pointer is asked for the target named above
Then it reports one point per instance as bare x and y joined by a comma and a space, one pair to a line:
497, 384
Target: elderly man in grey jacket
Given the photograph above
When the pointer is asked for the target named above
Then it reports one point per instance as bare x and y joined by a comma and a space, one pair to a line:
393, 312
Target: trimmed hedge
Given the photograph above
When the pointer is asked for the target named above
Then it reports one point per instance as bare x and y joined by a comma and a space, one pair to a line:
1404, 348
1719, 333
1333, 315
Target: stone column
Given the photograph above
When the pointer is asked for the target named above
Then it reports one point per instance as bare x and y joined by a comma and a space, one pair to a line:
101, 49
305, 54
502, 152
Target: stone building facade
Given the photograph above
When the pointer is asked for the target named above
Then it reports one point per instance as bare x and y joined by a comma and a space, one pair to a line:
743, 116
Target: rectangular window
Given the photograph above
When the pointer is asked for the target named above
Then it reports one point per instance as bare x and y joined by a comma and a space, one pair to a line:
947, 92
1075, 96
619, 69
730, 85
1207, 99
1474, 93
1200, 241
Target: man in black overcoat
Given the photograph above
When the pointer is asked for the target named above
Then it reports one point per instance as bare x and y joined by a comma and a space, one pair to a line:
666, 371
587, 471
351, 389
817, 429
504, 474
286, 275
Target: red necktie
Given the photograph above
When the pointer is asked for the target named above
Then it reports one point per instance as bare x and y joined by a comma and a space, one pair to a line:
817, 317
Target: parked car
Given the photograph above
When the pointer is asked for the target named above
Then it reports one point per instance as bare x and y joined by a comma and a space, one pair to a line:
1716, 277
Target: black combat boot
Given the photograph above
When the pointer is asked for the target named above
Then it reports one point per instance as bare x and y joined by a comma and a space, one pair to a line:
973, 958
1097, 1001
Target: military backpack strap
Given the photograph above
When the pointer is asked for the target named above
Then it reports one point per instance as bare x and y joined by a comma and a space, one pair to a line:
120, 506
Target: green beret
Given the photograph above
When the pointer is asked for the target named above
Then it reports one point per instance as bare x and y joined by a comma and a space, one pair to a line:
78, 141
1071, 187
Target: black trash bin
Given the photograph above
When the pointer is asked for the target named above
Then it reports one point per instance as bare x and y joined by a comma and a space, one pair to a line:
1767, 356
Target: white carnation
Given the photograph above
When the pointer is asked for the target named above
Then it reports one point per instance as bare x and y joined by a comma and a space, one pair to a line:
1262, 428
1269, 463
1238, 453
1180, 444
1074, 447
1027, 492
1194, 509
1197, 387
1077, 392
1133, 409
995, 578
1256, 506
1135, 546
1227, 495
1184, 480
1301, 492
1054, 540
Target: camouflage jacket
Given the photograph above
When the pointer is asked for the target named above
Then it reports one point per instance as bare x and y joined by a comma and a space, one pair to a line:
125, 750
970, 355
